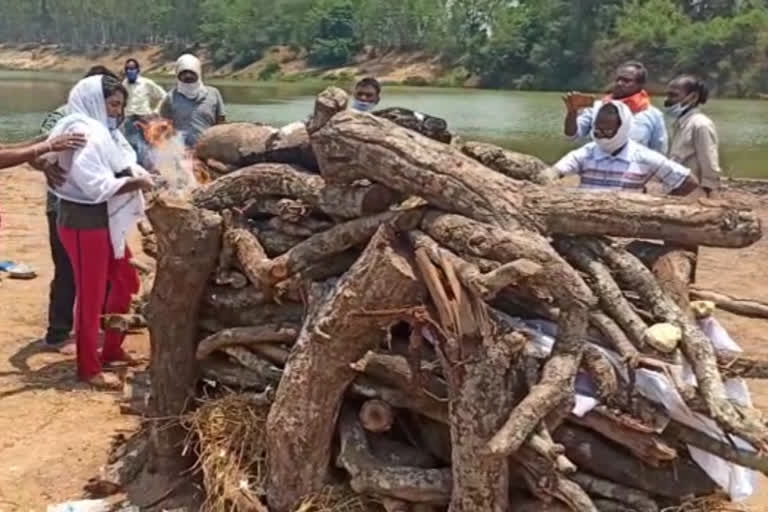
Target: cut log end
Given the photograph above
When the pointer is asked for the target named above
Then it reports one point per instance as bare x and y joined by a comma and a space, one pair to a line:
377, 416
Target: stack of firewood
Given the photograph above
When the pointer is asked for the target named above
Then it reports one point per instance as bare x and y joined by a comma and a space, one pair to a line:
392, 295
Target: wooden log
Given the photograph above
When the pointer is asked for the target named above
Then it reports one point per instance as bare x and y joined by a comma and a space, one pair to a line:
376, 416
612, 299
227, 297
725, 450
261, 180
225, 372
555, 387
370, 476
379, 150
216, 318
329, 102
305, 228
291, 145
486, 285
695, 344
123, 323
600, 369
302, 419
275, 243
615, 337
674, 273
246, 336
483, 381
674, 481
290, 210
514, 165
744, 307
189, 240
394, 370
635, 499
648, 447
336, 240
253, 361
430, 126
739, 364
234, 144
559, 283
396, 453
246, 249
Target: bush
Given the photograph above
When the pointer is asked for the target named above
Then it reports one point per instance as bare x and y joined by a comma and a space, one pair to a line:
270, 71
331, 52
416, 81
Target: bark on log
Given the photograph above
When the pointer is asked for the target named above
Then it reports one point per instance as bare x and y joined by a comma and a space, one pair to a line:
674, 273
334, 241
560, 282
590, 452
695, 344
646, 446
329, 102
246, 336
517, 166
415, 165
234, 144
600, 369
275, 243
556, 384
264, 180
722, 449
611, 297
227, 297
744, 307
370, 476
301, 422
214, 319
123, 323
305, 228
290, 210
636, 500
226, 373
395, 453
189, 240
246, 249
738, 364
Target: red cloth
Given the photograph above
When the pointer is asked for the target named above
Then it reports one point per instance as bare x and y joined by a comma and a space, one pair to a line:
637, 102
93, 264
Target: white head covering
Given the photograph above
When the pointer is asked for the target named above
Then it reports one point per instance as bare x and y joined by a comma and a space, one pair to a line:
620, 139
193, 91
91, 169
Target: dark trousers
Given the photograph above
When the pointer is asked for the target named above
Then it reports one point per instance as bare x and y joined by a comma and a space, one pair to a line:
62, 295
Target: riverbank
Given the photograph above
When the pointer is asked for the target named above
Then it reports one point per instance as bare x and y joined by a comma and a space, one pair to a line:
279, 63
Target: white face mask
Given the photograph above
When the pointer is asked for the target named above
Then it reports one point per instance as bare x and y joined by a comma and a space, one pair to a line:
191, 91
613, 144
363, 106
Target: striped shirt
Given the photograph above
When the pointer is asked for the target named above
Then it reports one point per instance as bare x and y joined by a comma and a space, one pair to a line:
630, 169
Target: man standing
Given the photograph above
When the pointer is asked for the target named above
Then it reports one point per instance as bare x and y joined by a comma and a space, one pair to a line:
367, 95
615, 162
629, 87
192, 106
144, 97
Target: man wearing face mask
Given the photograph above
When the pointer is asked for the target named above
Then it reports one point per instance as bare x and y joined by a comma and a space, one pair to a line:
615, 162
192, 106
648, 122
144, 97
367, 95
694, 141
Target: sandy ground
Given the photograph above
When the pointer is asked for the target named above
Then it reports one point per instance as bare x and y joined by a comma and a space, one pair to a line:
56, 433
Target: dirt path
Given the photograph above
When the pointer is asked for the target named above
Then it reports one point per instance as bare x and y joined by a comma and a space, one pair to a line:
56, 433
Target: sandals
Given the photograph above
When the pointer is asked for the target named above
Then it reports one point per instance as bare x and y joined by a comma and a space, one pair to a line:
106, 382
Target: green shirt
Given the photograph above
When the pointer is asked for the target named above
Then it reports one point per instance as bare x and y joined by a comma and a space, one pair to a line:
50, 120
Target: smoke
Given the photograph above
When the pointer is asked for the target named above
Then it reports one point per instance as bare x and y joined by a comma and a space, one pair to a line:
167, 156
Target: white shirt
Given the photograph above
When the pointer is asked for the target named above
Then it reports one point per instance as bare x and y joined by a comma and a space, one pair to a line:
144, 96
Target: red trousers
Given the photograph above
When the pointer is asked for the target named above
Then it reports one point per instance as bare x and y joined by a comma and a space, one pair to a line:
93, 265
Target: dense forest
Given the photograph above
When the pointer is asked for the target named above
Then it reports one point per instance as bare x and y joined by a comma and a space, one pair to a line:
545, 44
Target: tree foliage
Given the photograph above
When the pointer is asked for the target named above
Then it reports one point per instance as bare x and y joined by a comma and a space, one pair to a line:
551, 44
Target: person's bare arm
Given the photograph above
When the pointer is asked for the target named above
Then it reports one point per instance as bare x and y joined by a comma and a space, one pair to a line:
10, 157
574, 103
686, 187
23, 144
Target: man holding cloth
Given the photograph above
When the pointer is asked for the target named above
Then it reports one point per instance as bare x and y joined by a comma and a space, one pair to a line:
648, 122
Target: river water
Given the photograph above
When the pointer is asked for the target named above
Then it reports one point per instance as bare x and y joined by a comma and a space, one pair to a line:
529, 122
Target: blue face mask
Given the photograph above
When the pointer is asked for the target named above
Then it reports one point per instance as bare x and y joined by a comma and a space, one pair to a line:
675, 111
113, 123
132, 74
363, 106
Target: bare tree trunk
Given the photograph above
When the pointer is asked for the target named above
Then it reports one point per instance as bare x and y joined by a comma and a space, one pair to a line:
336, 334
188, 240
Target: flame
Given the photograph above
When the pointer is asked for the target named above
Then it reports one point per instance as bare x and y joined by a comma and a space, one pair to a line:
170, 157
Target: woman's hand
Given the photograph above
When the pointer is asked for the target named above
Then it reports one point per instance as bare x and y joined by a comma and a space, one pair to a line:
67, 141
145, 183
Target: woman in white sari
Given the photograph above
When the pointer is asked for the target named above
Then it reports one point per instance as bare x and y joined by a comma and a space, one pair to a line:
100, 202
